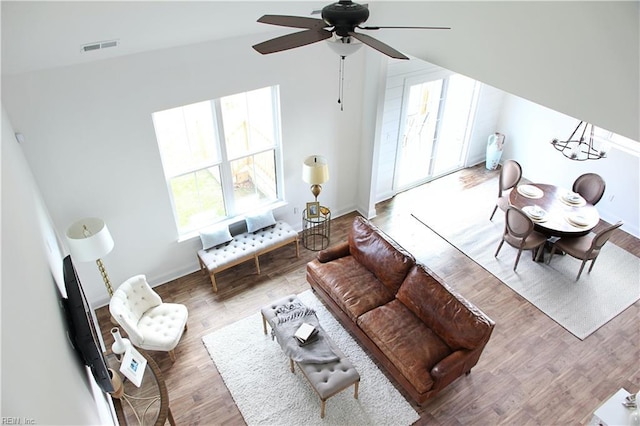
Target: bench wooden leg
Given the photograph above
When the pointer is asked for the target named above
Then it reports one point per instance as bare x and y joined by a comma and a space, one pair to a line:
172, 355
213, 282
297, 248
355, 389
293, 370
203, 267
257, 264
322, 405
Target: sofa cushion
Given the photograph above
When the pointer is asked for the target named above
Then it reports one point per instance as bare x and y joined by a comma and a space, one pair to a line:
443, 310
355, 289
380, 254
410, 345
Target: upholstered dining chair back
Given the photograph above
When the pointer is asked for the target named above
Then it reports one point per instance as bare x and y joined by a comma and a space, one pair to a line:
518, 225
149, 323
519, 233
585, 248
590, 186
603, 236
510, 176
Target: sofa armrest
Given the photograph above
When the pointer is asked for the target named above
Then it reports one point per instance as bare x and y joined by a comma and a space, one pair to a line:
335, 252
450, 368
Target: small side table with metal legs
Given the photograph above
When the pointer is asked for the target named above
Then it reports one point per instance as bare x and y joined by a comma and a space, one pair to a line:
316, 231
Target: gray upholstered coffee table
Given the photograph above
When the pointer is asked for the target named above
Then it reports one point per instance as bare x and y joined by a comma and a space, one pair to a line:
326, 379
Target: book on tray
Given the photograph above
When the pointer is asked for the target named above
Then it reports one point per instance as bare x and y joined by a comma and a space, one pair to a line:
306, 333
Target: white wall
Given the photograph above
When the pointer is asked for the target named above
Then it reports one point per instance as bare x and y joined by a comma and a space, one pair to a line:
42, 378
91, 144
529, 129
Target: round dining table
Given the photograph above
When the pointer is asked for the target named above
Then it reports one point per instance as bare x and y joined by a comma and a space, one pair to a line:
555, 212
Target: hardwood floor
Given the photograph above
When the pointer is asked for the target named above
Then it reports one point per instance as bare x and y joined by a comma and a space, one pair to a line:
532, 371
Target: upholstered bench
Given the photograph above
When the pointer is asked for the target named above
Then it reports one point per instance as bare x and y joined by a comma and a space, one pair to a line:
244, 246
326, 379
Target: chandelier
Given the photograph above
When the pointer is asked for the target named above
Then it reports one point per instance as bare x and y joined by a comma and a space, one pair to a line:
579, 149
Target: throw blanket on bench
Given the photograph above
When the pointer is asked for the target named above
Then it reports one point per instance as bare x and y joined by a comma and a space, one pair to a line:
288, 318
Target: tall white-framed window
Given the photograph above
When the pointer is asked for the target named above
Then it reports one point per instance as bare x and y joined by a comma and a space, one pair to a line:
221, 158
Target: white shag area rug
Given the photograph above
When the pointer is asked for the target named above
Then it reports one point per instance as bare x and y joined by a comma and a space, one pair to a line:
257, 374
581, 306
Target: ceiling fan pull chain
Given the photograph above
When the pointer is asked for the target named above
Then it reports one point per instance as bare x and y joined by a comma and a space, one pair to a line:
341, 84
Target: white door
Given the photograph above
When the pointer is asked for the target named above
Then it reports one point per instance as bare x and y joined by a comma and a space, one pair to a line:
435, 128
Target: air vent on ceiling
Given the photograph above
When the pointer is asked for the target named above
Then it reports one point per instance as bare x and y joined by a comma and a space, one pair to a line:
98, 45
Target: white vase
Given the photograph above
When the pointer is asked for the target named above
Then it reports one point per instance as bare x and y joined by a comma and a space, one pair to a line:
495, 145
120, 344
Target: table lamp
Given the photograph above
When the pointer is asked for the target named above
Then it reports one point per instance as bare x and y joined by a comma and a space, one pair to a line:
89, 239
315, 170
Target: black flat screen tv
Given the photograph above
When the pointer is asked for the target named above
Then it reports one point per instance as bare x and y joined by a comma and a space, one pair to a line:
82, 332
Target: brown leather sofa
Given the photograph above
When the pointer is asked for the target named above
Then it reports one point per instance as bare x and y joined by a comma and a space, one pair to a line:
424, 333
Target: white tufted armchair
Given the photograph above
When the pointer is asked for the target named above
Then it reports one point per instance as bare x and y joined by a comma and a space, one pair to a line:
149, 323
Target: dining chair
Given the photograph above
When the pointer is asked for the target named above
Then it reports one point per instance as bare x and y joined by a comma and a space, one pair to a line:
584, 248
519, 233
150, 323
510, 175
590, 186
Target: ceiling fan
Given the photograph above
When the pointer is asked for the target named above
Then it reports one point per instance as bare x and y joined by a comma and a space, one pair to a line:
341, 18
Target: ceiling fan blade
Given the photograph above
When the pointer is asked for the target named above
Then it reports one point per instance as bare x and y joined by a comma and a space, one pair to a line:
291, 41
292, 21
405, 28
378, 45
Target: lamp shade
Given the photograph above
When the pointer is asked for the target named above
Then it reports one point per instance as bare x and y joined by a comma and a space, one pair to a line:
89, 239
315, 170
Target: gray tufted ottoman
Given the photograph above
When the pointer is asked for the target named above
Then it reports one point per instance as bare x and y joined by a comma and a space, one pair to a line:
326, 379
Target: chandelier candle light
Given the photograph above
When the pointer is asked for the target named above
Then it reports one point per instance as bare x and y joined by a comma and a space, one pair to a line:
315, 171
579, 149
89, 239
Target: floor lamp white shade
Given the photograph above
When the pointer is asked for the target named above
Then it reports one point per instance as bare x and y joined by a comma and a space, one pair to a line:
89, 239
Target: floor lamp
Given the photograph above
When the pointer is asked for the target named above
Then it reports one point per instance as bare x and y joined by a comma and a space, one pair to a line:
89, 239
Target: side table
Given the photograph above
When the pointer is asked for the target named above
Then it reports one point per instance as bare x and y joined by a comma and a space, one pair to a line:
144, 405
316, 231
613, 413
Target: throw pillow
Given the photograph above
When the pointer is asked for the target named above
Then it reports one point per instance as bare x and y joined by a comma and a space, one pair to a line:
260, 221
215, 236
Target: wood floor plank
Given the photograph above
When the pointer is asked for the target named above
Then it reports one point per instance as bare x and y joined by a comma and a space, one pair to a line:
532, 371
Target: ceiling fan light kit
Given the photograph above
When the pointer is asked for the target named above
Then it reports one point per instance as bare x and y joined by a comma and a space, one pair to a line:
343, 46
